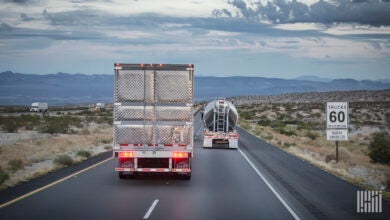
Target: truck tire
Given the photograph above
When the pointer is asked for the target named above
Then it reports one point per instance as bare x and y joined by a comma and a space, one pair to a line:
121, 175
187, 176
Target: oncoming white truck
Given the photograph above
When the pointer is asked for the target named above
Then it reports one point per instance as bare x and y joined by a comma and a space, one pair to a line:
153, 118
99, 106
39, 107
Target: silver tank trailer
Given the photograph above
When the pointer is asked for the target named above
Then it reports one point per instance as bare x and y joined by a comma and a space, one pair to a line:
216, 115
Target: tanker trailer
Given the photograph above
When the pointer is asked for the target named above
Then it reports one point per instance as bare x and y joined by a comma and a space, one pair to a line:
220, 118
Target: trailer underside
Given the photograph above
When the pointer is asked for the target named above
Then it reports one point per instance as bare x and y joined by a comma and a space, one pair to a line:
130, 166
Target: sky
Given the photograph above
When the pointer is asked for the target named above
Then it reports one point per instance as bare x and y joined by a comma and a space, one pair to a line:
275, 38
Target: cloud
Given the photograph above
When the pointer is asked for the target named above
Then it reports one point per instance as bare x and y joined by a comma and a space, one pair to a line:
8, 32
221, 13
4, 27
75, 17
25, 17
253, 32
17, 1
371, 12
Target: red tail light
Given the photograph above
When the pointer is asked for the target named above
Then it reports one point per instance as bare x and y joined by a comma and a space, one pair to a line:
126, 154
180, 155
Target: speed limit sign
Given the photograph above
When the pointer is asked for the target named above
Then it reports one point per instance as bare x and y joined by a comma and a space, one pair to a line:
337, 115
337, 123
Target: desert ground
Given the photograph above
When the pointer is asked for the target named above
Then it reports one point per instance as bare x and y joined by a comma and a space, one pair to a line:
296, 124
33, 144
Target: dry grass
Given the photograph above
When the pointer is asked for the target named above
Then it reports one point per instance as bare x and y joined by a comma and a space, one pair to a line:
37, 154
354, 164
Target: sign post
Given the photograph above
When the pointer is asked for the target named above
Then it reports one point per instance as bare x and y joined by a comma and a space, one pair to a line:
337, 123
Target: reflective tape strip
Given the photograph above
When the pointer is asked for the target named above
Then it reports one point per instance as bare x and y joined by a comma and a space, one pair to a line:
130, 145
153, 145
174, 145
233, 135
153, 170
124, 169
181, 170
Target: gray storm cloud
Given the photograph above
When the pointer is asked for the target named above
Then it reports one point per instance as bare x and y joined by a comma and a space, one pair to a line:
25, 17
69, 18
369, 12
17, 1
5, 27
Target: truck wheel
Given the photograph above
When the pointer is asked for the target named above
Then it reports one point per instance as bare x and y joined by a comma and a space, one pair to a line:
121, 175
187, 176
131, 176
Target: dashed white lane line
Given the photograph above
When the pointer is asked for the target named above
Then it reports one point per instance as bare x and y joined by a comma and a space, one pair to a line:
296, 217
151, 208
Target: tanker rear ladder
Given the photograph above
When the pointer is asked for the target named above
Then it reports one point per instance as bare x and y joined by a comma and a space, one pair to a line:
221, 135
221, 117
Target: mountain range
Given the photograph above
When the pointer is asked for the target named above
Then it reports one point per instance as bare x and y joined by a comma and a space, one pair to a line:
65, 88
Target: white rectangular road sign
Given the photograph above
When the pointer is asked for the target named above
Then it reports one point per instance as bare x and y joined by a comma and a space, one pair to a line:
337, 115
337, 134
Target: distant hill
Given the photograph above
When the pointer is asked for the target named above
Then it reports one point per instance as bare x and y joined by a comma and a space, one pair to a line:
246, 86
316, 97
313, 78
60, 88
64, 88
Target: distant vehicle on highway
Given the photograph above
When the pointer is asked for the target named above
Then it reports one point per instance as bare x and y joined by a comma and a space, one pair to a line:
153, 118
39, 107
220, 118
100, 106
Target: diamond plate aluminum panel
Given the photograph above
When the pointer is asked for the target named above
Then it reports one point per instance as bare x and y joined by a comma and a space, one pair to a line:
134, 86
173, 113
173, 134
173, 87
133, 134
123, 113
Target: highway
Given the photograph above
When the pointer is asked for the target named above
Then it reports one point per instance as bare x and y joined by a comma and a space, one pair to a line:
224, 185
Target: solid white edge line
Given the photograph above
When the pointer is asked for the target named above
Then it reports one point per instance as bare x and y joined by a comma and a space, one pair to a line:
151, 208
52, 184
270, 186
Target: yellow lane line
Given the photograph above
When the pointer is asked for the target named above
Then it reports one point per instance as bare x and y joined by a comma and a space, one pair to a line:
52, 184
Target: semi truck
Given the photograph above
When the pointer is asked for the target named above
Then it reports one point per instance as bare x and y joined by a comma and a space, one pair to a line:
39, 107
220, 118
153, 119
100, 106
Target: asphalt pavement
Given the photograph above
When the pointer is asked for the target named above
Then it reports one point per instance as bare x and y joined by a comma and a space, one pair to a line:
224, 185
